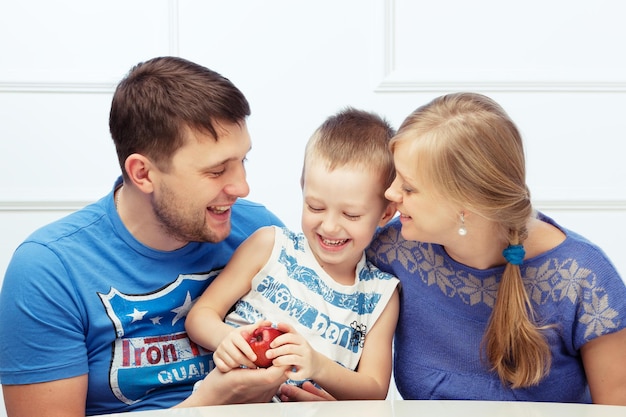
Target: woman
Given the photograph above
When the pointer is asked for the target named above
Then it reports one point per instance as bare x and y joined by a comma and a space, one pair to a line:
498, 301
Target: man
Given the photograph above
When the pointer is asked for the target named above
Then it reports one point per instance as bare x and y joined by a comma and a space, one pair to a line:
92, 307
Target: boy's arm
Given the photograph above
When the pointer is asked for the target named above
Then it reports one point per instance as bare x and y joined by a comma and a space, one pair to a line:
373, 375
204, 323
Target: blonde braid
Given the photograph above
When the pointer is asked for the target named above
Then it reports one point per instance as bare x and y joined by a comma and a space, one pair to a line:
514, 344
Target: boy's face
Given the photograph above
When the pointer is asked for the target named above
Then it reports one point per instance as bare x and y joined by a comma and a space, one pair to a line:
341, 211
193, 197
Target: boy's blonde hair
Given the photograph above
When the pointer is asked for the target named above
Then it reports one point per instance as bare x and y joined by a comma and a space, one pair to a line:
471, 152
355, 138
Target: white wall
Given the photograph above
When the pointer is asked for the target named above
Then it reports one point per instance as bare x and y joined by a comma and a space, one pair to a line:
555, 66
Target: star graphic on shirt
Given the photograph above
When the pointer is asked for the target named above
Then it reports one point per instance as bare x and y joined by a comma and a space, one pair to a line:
182, 311
137, 315
156, 320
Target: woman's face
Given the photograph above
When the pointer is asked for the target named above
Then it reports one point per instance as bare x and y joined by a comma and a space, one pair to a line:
425, 215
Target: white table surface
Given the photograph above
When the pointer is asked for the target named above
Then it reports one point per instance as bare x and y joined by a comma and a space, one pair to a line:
388, 408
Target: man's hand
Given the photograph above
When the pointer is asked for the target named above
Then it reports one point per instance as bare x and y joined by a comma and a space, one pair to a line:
234, 350
237, 386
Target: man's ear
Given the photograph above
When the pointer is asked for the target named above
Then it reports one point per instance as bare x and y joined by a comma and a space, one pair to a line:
140, 170
388, 214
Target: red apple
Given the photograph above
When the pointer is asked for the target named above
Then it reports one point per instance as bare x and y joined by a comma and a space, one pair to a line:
260, 342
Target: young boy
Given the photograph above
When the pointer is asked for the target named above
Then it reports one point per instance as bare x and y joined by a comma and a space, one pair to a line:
338, 311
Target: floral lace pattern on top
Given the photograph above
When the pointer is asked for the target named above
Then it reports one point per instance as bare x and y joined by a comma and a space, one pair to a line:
547, 280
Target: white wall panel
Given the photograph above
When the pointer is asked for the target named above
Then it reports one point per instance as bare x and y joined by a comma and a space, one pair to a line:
489, 44
573, 143
69, 43
55, 147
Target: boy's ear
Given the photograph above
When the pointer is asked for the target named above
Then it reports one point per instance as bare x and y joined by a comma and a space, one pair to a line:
388, 214
139, 169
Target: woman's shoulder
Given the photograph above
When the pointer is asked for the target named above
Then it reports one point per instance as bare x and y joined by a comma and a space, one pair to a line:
388, 234
543, 236
553, 240
388, 246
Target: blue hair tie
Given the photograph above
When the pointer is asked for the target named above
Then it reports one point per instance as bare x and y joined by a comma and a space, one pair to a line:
514, 254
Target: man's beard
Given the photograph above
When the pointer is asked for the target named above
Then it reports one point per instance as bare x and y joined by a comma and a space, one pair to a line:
181, 223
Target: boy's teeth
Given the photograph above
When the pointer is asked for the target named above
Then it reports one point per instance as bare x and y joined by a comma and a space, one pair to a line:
220, 209
334, 242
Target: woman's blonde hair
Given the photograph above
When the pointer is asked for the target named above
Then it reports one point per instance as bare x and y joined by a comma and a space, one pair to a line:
472, 153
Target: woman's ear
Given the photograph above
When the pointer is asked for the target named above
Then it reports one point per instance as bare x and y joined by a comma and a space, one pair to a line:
139, 169
390, 211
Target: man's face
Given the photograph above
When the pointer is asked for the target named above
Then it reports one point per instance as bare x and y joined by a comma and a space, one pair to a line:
192, 200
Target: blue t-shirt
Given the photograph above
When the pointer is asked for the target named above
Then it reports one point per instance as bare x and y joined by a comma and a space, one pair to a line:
445, 307
82, 295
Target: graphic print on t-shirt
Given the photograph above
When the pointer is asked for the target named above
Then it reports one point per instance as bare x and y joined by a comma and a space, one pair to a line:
151, 347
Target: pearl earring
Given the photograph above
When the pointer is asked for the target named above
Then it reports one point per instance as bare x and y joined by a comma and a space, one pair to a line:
462, 229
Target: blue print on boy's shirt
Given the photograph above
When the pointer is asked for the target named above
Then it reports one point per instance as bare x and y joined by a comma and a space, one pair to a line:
361, 303
306, 314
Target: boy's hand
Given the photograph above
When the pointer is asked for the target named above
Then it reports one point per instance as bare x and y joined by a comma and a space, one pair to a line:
234, 350
292, 349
